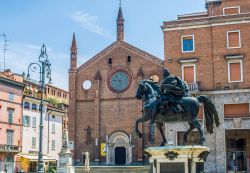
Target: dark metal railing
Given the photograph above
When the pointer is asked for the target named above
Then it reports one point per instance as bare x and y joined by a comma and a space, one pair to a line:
10, 148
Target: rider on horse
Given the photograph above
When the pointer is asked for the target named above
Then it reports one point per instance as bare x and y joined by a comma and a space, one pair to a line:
169, 101
173, 88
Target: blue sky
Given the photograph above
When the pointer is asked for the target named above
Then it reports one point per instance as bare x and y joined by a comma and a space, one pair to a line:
30, 23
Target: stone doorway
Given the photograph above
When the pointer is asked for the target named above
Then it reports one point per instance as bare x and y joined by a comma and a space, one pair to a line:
119, 149
120, 155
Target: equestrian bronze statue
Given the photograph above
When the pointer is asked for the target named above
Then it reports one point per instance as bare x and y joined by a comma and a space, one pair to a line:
170, 101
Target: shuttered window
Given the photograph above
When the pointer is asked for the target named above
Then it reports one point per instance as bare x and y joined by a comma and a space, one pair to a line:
231, 10
189, 73
235, 71
10, 115
233, 39
53, 128
236, 110
33, 142
10, 137
26, 120
53, 145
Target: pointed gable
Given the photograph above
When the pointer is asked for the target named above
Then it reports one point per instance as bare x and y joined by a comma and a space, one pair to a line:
124, 45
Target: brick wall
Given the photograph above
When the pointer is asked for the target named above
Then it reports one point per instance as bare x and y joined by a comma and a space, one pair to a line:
103, 110
210, 38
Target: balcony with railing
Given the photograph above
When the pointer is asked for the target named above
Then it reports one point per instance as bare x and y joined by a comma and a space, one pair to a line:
193, 87
10, 148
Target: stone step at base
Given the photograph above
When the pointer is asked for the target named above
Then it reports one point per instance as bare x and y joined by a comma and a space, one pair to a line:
114, 169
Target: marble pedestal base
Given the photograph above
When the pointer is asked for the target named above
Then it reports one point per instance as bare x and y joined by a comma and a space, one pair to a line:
65, 162
177, 159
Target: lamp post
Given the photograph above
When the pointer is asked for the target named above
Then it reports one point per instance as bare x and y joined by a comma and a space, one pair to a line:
43, 67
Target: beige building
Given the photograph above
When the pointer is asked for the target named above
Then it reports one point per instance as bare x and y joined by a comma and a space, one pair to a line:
54, 116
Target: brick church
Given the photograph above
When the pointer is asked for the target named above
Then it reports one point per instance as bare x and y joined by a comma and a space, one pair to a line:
102, 104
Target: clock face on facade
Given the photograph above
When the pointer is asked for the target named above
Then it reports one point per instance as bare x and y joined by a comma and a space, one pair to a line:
119, 81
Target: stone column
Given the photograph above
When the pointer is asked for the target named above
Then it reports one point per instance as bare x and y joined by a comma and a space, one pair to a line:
220, 150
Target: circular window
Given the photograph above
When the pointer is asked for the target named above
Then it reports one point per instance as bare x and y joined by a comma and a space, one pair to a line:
119, 81
86, 84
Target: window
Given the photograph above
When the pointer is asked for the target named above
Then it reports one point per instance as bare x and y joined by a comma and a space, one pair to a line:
26, 105
44, 108
110, 61
88, 135
231, 10
34, 106
10, 137
189, 73
53, 128
33, 142
11, 97
151, 132
33, 121
26, 120
188, 43
233, 39
236, 110
53, 144
235, 71
129, 58
10, 115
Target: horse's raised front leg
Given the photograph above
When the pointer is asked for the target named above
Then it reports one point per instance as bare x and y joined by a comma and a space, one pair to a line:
191, 127
140, 120
160, 127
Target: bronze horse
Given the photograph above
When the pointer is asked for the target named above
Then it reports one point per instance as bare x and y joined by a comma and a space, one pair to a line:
150, 93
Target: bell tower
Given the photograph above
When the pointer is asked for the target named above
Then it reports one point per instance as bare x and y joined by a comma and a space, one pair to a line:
72, 90
120, 25
73, 55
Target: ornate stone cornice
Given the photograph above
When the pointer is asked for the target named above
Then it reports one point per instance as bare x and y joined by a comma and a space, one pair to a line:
11, 83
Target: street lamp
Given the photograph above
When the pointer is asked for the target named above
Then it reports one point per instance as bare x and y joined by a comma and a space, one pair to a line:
43, 67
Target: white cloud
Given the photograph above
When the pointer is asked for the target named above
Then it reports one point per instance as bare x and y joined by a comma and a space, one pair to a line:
89, 22
19, 56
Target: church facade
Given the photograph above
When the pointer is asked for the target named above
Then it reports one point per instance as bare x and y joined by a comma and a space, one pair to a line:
102, 104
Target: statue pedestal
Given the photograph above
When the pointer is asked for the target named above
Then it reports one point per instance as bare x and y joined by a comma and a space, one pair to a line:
65, 162
177, 159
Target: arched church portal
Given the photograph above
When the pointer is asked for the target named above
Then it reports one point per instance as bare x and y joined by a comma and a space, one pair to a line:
119, 149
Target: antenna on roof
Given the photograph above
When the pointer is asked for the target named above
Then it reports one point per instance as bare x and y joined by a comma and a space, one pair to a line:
4, 49
120, 3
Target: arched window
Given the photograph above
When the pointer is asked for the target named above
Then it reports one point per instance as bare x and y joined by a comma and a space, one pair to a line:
26, 105
34, 106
